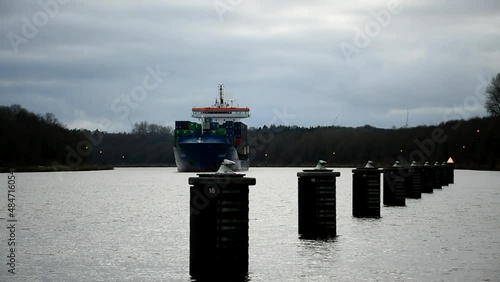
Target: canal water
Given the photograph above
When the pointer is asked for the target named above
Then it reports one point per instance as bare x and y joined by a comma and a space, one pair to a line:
132, 224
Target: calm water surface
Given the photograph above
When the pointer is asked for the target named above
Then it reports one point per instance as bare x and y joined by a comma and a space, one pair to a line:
132, 224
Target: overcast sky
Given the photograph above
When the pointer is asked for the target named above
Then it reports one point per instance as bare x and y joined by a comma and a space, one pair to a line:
99, 64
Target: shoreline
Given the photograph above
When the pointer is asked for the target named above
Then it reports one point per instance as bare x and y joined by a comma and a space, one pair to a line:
95, 167
54, 168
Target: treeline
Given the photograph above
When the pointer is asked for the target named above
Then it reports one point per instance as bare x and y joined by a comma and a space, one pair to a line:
32, 140
474, 144
147, 145
29, 139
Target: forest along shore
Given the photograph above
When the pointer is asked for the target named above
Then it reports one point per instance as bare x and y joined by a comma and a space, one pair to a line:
34, 142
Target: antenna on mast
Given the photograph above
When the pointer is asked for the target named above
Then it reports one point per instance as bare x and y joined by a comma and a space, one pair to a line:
407, 114
336, 118
131, 125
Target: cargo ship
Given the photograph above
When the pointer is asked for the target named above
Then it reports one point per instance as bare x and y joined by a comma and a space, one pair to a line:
219, 134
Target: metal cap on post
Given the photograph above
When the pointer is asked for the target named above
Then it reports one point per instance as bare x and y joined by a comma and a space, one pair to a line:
317, 202
321, 165
369, 164
219, 224
225, 167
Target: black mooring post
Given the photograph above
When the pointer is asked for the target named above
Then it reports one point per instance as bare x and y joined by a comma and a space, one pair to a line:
427, 178
413, 181
394, 185
317, 202
219, 226
366, 191
445, 174
438, 171
452, 173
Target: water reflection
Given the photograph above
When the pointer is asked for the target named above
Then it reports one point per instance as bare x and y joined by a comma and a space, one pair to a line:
132, 224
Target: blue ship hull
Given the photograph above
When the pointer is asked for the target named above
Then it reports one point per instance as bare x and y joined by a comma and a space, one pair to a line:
206, 155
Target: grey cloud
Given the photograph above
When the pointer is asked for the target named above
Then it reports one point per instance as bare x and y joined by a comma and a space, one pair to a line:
270, 55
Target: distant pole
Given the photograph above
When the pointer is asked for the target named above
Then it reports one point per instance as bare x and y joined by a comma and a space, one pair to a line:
407, 114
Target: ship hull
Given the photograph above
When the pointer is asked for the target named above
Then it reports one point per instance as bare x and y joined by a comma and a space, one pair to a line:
206, 157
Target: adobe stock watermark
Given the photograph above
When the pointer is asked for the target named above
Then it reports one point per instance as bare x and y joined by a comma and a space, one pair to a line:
201, 198
266, 135
30, 27
427, 146
223, 6
139, 93
363, 37
120, 106
12, 217
470, 104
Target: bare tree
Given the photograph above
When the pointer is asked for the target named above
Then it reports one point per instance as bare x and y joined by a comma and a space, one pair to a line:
140, 128
51, 119
493, 96
144, 128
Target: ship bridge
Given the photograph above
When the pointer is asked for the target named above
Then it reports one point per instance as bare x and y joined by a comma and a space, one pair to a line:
220, 111
226, 112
